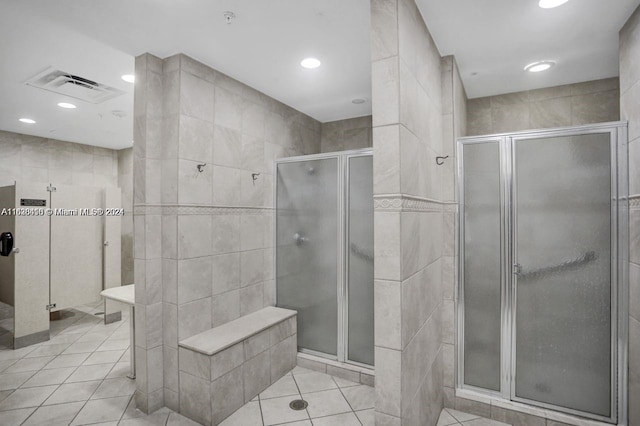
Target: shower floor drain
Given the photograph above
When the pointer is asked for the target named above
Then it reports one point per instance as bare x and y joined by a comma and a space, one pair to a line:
298, 404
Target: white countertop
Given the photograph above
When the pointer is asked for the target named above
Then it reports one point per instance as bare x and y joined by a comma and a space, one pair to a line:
125, 294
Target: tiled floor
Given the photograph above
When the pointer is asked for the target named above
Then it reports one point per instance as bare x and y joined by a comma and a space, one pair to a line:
78, 377
457, 418
332, 401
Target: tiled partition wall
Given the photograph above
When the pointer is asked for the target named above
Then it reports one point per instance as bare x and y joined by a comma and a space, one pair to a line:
203, 235
409, 201
343, 135
570, 105
630, 110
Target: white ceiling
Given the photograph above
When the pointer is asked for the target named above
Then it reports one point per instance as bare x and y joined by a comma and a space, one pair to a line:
98, 39
497, 38
263, 48
30, 44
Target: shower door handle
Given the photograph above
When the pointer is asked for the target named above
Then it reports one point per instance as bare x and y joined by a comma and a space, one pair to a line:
517, 269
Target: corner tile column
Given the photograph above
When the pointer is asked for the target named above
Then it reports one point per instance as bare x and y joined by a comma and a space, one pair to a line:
148, 119
409, 231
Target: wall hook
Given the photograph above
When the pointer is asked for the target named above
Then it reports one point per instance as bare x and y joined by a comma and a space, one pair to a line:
440, 160
254, 176
201, 167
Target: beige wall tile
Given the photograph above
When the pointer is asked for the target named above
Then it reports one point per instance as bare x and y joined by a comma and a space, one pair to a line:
555, 112
225, 307
596, 107
388, 313
385, 92
507, 117
387, 246
388, 381
194, 278
384, 29
386, 160
196, 97
630, 110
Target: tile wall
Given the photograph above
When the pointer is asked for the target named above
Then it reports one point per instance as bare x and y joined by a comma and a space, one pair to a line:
203, 239
38, 160
630, 110
343, 135
409, 195
570, 105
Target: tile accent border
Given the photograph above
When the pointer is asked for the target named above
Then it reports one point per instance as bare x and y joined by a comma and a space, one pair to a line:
177, 209
634, 202
409, 203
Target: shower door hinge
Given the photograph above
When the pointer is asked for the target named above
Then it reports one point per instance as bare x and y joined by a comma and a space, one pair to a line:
51, 188
50, 306
517, 269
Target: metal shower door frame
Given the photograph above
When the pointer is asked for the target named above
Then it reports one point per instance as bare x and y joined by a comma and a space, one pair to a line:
342, 158
508, 238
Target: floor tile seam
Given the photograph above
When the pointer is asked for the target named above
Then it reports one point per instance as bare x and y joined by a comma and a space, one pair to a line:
335, 414
345, 398
18, 388
38, 406
274, 397
300, 393
59, 385
93, 393
14, 361
260, 408
125, 409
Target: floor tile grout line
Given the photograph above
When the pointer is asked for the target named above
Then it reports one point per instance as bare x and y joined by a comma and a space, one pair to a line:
345, 398
97, 387
58, 387
93, 393
127, 406
300, 393
260, 407
34, 373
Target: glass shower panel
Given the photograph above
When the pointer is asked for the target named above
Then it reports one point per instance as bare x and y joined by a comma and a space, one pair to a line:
360, 259
306, 241
482, 254
563, 271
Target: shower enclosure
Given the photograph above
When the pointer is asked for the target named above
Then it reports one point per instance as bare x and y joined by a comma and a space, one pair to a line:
542, 268
324, 251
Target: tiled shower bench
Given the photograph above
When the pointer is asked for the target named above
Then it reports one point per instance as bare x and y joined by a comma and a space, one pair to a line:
223, 368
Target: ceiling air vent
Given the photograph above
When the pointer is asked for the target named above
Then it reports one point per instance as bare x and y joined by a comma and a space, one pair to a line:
67, 84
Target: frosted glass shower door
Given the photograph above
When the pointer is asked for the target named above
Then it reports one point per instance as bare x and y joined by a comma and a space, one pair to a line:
562, 271
307, 225
360, 259
482, 257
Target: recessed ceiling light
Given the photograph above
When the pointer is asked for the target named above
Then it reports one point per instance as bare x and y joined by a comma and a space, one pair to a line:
129, 78
549, 4
539, 66
66, 105
28, 121
310, 63
358, 101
